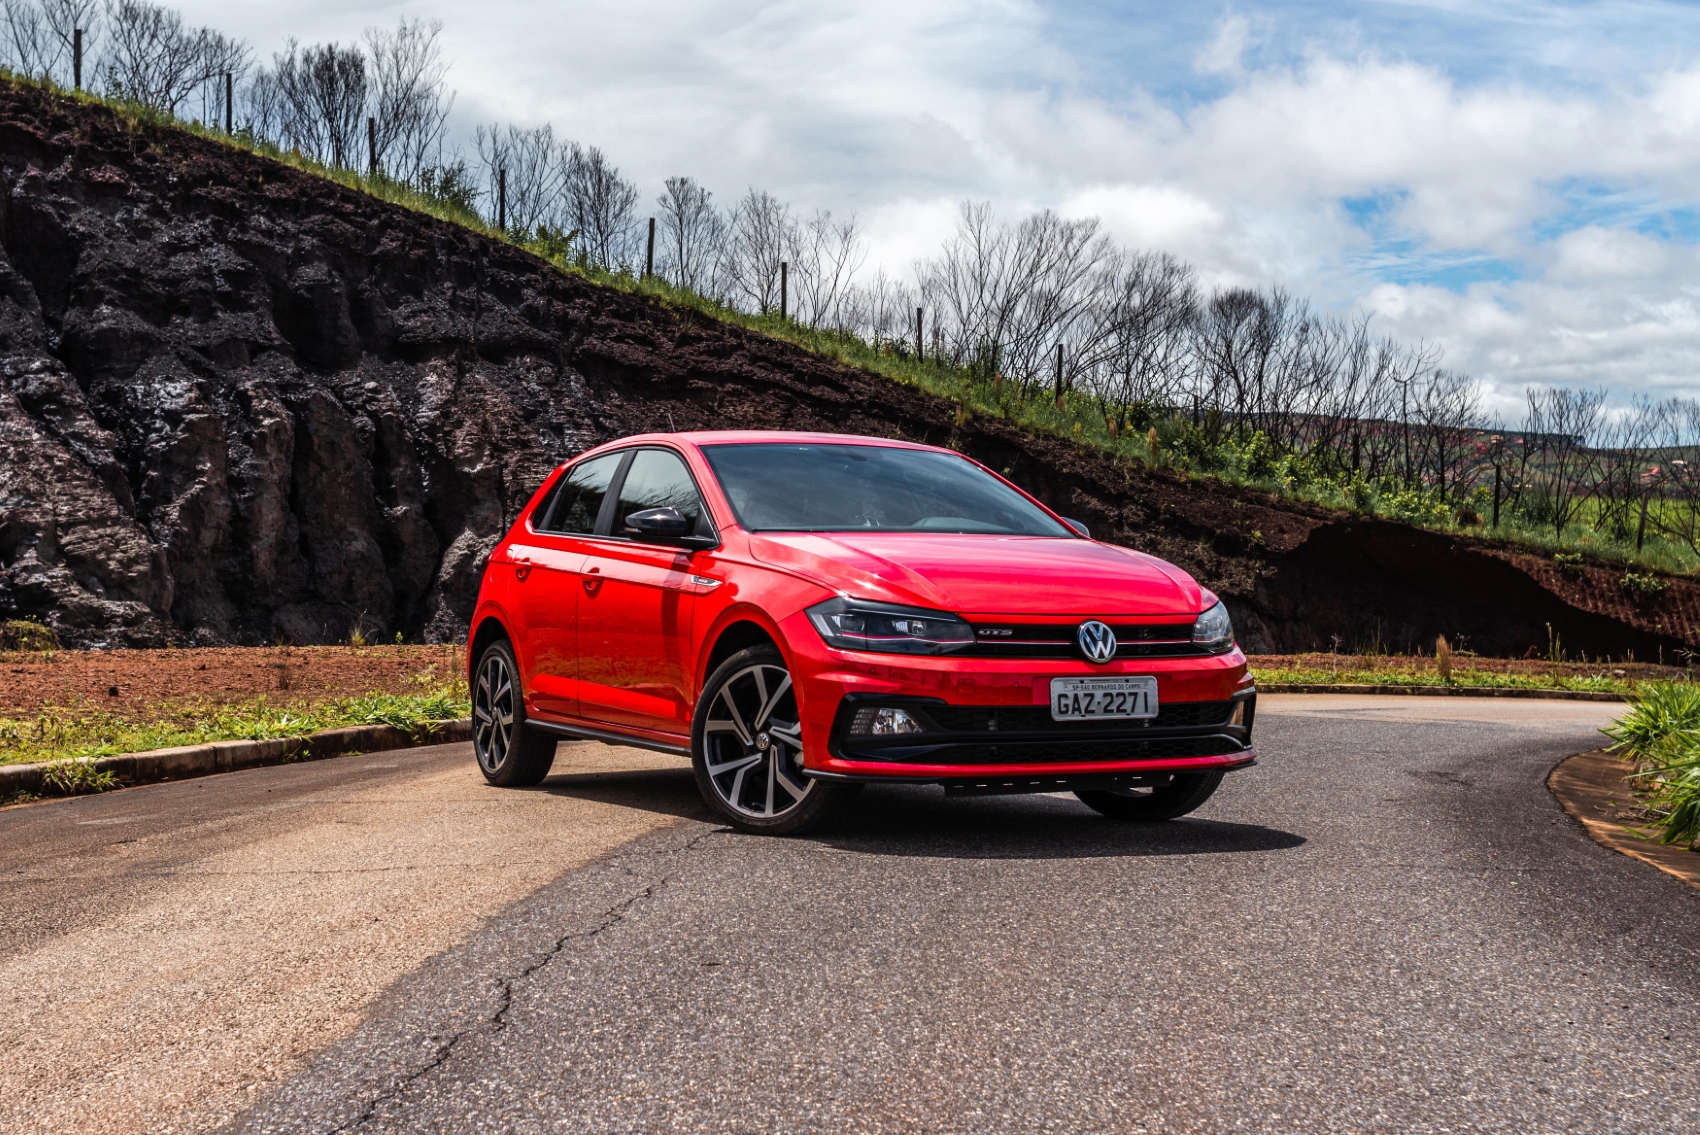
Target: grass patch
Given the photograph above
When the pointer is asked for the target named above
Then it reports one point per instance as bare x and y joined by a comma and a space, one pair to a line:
1661, 735
1460, 670
69, 734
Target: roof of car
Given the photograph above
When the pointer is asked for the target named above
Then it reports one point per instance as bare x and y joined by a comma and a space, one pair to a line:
751, 437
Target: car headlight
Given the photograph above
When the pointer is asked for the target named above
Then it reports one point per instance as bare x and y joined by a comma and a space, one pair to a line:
862, 624
1214, 631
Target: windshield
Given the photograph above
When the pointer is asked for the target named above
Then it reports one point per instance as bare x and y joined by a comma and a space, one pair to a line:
839, 488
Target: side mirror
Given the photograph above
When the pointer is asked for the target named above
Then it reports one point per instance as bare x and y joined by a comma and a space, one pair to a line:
1078, 527
659, 524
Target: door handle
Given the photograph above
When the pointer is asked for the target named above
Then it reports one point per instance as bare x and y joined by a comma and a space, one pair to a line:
592, 585
522, 567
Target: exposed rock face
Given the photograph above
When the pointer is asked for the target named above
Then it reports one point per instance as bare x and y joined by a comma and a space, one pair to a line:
243, 404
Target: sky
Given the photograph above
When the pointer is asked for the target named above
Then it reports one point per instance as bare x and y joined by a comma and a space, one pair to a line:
1515, 183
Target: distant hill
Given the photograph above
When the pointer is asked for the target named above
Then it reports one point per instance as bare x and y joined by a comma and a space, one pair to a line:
239, 403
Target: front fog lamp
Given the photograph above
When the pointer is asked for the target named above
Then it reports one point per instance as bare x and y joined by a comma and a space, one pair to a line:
1214, 631
883, 721
860, 624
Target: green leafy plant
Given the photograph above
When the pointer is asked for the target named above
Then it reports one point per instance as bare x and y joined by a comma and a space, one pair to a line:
77, 777
1661, 734
1643, 586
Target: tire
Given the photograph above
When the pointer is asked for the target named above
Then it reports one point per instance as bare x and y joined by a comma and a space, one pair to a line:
1185, 792
746, 748
509, 754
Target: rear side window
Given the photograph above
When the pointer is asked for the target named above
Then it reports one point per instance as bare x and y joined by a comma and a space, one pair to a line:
658, 479
578, 500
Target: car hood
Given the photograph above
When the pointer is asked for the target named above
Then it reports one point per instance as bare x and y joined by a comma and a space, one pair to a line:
991, 575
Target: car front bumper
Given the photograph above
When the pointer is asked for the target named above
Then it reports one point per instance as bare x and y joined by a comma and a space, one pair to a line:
988, 725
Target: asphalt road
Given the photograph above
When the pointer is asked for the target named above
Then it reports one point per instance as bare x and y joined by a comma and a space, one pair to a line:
1388, 925
169, 953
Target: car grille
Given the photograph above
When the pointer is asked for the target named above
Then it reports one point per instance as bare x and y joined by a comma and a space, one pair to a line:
1078, 750
1023, 734
1057, 640
1037, 718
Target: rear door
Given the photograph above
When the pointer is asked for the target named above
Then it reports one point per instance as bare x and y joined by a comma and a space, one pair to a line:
635, 613
549, 572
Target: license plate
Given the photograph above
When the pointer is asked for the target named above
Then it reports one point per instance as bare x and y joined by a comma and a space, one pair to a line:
1103, 699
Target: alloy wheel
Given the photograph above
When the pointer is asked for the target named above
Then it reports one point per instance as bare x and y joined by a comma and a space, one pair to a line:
493, 713
753, 742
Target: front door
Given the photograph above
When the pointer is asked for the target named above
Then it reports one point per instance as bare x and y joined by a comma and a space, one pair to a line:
634, 618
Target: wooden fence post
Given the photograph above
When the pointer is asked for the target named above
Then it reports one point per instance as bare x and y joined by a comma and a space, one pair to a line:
784, 282
920, 344
502, 199
77, 57
372, 146
229, 103
649, 257
1059, 376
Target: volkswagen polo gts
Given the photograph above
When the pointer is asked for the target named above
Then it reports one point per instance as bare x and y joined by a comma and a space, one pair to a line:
805, 614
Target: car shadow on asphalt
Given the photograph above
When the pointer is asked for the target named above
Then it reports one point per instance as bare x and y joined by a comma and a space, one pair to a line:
919, 820
667, 791
922, 821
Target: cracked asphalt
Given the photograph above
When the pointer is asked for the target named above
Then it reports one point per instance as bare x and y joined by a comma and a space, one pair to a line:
1388, 925
169, 953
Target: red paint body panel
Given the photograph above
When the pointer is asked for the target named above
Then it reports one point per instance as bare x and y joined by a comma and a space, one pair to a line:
616, 635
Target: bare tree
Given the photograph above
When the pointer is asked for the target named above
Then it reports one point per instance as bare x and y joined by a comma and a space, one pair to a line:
598, 204
1006, 295
531, 161
323, 91
692, 237
28, 45
409, 104
827, 255
761, 237
62, 19
1559, 425
153, 59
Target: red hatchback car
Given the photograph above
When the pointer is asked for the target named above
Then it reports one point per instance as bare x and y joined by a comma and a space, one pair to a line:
803, 614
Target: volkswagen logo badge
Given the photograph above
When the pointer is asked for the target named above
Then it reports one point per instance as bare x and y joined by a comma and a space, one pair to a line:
1097, 641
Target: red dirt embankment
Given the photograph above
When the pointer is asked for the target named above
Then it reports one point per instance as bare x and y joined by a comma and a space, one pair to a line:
142, 678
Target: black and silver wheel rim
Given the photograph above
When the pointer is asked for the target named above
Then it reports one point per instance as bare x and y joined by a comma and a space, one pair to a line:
753, 744
493, 713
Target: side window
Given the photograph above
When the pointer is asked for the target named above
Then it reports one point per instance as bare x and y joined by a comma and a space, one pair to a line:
658, 479
578, 501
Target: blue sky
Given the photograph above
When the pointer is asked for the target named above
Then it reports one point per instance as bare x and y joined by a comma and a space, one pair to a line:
1515, 183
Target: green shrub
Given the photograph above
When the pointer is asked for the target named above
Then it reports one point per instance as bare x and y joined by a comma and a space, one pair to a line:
74, 778
27, 634
1643, 586
1661, 734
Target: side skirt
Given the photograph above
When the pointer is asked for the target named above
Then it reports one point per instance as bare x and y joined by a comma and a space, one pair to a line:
585, 733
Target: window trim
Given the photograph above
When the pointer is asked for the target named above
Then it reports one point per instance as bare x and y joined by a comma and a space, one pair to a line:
611, 505
540, 517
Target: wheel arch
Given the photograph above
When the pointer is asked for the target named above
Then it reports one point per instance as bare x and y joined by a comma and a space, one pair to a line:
489, 629
740, 633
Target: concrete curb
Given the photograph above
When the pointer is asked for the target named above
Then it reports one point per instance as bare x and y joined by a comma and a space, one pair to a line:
1440, 691
187, 761
1588, 787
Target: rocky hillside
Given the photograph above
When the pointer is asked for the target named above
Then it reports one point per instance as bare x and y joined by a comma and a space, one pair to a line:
240, 404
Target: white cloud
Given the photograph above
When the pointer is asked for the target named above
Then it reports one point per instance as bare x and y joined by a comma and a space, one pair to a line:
901, 110
1222, 55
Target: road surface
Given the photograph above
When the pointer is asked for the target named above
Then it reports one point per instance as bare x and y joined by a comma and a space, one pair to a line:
1388, 925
